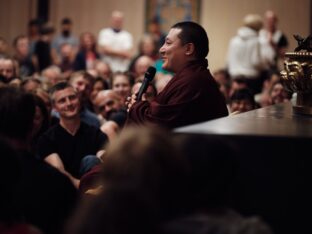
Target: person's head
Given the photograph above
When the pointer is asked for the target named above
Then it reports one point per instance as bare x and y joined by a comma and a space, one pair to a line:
4, 47
46, 32
242, 100
87, 41
65, 100
21, 46
51, 75
144, 183
141, 65
41, 117
17, 110
236, 84
34, 27
30, 84
146, 160
82, 81
117, 20
150, 93
253, 21
122, 84
186, 41
103, 70
270, 20
66, 26
279, 94
148, 46
44, 95
98, 85
7, 69
67, 51
107, 102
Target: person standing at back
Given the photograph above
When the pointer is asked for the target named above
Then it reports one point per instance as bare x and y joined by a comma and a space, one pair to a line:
116, 44
277, 40
192, 95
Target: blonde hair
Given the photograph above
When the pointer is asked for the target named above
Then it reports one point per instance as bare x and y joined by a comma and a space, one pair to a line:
253, 21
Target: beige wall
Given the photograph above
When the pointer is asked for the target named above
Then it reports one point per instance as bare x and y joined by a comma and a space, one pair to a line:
221, 18
93, 15
14, 15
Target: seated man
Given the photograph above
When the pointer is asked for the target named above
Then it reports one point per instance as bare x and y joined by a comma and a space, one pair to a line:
67, 143
40, 195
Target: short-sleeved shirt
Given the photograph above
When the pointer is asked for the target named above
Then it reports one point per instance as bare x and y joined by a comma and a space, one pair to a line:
87, 141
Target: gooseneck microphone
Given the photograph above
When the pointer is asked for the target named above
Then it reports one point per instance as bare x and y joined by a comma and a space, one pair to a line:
148, 77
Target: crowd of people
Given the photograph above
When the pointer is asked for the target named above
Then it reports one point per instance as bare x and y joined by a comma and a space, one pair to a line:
68, 109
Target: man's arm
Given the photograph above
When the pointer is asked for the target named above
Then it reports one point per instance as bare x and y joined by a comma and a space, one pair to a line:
55, 161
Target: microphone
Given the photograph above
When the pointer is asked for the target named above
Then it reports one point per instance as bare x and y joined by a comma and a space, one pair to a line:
148, 77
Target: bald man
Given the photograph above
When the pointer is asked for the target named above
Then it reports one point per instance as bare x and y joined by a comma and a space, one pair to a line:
116, 44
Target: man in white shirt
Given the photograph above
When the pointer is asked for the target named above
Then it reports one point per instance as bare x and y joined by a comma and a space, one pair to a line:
116, 44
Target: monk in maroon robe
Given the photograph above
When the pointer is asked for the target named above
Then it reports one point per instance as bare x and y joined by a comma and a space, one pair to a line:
192, 95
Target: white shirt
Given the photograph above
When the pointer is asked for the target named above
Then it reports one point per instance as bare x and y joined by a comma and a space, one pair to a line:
118, 41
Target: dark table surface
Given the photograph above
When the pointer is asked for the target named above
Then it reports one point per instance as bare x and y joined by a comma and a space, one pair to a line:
277, 120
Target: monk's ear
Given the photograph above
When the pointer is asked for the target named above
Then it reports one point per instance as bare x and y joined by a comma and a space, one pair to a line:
190, 49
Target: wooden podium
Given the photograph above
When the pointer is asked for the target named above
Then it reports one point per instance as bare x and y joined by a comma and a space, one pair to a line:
275, 164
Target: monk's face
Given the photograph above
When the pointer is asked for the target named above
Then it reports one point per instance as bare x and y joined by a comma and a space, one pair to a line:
173, 52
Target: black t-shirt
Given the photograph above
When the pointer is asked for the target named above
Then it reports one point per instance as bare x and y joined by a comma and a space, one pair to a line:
87, 141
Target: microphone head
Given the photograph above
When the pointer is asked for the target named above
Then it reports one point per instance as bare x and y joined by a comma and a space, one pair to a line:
150, 73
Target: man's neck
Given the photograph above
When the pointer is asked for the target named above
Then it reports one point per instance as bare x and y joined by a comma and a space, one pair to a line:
70, 125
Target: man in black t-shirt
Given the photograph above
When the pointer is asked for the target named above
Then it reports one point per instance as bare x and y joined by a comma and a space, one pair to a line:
40, 195
67, 143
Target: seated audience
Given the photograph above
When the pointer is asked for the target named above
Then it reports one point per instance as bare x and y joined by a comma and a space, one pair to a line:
66, 144
45, 196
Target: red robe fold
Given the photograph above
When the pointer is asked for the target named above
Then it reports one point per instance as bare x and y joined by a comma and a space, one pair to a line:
191, 96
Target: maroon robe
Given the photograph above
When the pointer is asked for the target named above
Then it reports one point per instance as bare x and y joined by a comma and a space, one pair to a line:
191, 96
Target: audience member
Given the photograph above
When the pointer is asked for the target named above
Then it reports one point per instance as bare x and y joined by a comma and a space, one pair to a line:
279, 94
109, 104
79, 138
121, 84
98, 85
140, 67
8, 69
246, 57
66, 63
150, 93
144, 182
43, 48
30, 84
50, 76
242, 100
271, 35
33, 33
45, 196
82, 81
4, 48
11, 217
87, 54
223, 78
28, 64
147, 47
65, 36
116, 44
154, 29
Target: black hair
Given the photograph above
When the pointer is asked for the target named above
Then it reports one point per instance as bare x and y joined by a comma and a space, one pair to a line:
57, 87
243, 94
192, 32
66, 21
17, 110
